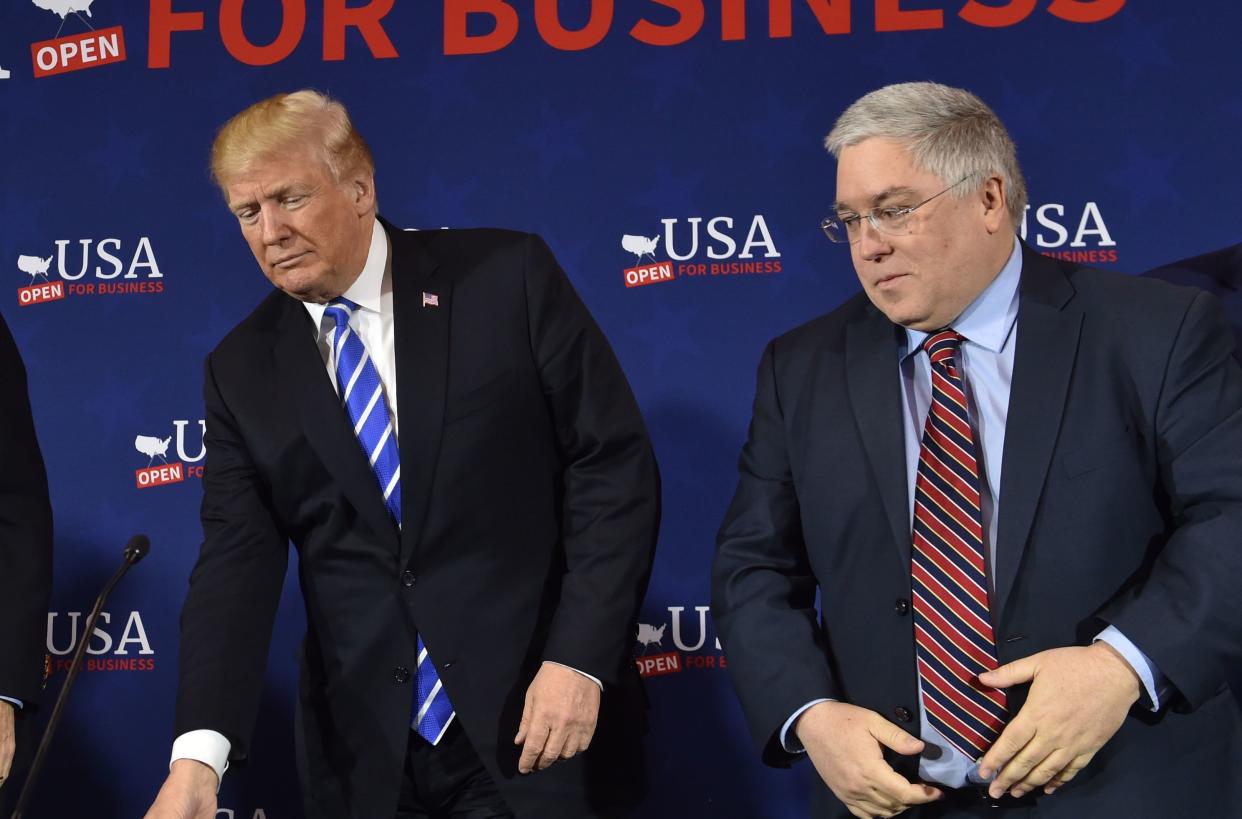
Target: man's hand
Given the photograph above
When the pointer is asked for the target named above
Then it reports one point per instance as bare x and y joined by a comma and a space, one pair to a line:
1079, 697
189, 792
7, 739
845, 743
559, 718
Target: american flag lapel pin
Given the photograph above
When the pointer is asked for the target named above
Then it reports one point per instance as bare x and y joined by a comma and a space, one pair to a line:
430, 299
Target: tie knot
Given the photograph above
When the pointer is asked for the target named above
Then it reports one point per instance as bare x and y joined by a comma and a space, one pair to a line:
340, 308
942, 346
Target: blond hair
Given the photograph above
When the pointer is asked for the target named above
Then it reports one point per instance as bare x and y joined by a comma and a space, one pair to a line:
275, 124
948, 131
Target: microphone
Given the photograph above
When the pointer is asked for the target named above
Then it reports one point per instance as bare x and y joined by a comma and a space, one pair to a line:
135, 550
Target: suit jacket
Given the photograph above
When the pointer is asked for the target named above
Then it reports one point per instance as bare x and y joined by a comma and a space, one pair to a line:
1120, 504
25, 535
1218, 272
530, 506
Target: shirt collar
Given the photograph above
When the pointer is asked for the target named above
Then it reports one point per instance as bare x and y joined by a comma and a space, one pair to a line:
366, 289
988, 320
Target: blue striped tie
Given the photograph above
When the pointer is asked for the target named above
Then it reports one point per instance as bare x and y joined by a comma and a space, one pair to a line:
358, 383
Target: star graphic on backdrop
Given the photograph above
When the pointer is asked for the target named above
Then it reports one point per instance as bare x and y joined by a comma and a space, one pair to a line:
668, 324
120, 158
556, 138
673, 190
1143, 180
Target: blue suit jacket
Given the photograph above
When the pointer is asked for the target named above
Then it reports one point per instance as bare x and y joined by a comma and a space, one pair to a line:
1121, 501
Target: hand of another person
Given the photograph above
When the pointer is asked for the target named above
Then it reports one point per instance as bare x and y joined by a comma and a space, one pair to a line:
1079, 697
559, 718
189, 792
8, 741
845, 743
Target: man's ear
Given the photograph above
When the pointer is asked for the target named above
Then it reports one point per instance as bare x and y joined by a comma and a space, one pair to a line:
995, 210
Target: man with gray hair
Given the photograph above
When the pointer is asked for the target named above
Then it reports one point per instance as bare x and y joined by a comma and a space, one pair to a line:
1014, 485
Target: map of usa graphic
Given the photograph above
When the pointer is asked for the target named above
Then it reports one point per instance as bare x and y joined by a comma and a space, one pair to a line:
65, 7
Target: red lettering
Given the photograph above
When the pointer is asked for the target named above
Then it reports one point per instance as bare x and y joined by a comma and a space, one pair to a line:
292, 24
996, 16
456, 15
1085, 11
337, 17
164, 21
689, 22
548, 21
890, 16
733, 19
833, 16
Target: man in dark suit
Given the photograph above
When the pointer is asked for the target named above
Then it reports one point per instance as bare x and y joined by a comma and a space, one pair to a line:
1219, 273
1016, 486
25, 558
437, 424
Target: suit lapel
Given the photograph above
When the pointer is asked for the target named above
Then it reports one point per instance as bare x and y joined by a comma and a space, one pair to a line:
324, 421
422, 348
1043, 361
875, 396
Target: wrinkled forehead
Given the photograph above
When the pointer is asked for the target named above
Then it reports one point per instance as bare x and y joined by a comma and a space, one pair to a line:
879, 170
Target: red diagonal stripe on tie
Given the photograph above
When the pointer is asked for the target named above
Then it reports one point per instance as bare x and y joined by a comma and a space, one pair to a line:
947, 538
988, 720
967, 584
952, 419
968, 677
970, 742
946, 474
960, 516
966, 619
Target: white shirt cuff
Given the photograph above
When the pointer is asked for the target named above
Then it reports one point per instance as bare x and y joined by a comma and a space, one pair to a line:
583, 673
1154, 682
18, 704
789, 740
208, 747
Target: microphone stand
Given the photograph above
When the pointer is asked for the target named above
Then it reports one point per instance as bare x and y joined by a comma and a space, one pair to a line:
136, 549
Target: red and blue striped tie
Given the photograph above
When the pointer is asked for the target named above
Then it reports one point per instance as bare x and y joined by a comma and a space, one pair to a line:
954, 642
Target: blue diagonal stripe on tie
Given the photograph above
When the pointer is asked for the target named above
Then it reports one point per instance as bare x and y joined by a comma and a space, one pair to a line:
362, 394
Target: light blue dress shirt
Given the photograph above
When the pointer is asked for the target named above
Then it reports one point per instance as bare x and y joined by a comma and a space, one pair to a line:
989, 325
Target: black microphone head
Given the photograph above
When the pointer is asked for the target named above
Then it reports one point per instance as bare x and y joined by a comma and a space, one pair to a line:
137, 547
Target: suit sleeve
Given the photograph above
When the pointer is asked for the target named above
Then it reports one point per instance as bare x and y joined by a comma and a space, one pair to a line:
611, 487
763, 588
25, 534
226, 623
1185, 615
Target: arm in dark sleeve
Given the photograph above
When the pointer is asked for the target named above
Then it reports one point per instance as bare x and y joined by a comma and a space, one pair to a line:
25, 534
1185, 615
763, 588
611, 509
226, 622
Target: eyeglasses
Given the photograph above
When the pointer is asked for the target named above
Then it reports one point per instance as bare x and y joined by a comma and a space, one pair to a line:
889, 221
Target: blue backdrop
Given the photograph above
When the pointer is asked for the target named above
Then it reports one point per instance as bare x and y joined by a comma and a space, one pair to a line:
693, 127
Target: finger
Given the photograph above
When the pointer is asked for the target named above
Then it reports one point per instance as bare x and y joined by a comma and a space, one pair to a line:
1068, 772
536, 736
1013, 739
897, 790
552, 747
890, 736
1019, 766
1019, 671
523, 723
1042, 772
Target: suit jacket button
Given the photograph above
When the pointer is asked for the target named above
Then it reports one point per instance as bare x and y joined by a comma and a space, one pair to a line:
401, 674
902, 606
407, 579
903, 714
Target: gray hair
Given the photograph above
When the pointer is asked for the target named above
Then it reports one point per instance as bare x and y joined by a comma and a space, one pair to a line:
948, 131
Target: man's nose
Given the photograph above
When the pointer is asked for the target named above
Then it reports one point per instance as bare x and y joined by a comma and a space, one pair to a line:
275, 228
871, 242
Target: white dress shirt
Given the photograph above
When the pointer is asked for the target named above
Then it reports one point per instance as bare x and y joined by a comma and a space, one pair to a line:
372, 321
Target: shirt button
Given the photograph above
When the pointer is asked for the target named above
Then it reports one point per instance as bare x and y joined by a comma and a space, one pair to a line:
902, 606
903, 714
407, 579
401, 674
